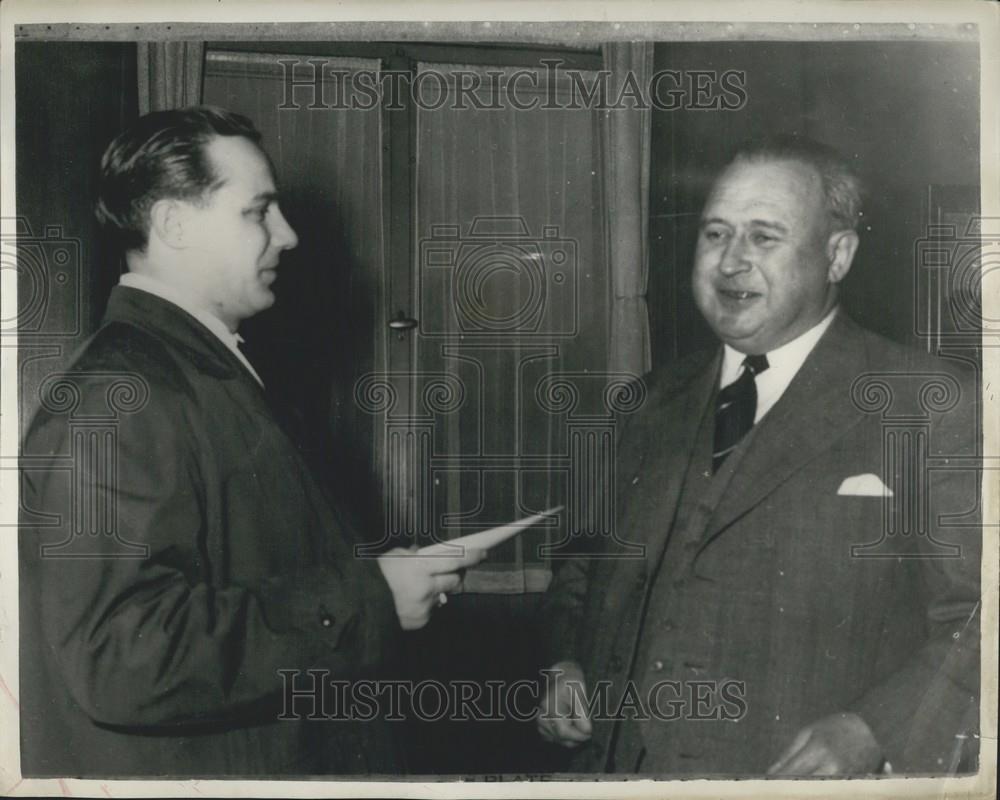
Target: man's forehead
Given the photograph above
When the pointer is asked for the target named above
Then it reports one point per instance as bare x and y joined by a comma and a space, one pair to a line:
781, 186
239, 162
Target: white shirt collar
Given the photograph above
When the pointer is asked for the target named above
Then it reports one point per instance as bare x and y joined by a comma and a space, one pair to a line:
151, 285
783, 364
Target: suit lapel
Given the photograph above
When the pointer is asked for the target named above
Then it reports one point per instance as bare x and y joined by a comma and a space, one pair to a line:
815, 410
669, 438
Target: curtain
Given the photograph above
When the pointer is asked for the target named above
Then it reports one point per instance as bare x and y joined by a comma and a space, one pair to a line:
513, 293
170, 75
626, 171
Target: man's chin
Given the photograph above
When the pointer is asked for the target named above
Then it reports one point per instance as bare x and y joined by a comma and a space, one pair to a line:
744, 339
264, 299
734, 329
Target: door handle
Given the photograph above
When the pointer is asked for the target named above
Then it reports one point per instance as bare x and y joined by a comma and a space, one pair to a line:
401, 323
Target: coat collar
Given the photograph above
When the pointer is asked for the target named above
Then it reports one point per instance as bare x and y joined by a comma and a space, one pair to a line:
168, 321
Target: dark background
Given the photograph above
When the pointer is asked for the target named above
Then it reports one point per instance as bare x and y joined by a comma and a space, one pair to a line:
905, 112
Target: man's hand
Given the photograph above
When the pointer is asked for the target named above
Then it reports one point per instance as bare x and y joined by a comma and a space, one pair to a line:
418, 581
841, 744
562, 714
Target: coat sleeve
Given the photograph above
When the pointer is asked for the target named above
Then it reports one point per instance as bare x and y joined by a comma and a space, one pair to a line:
158, 640
562, 611
925, 715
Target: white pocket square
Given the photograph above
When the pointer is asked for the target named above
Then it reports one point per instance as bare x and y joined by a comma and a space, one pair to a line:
866, 485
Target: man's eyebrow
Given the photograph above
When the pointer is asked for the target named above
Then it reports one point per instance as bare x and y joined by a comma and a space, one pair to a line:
264, 196
764, 223
757, 223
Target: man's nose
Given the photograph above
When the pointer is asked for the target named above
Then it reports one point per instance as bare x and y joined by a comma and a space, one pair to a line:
734, 258
283, 236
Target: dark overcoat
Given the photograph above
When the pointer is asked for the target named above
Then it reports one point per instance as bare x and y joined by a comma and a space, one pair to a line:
178, 565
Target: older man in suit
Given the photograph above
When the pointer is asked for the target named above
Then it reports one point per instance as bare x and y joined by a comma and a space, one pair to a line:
191, 572
805, 605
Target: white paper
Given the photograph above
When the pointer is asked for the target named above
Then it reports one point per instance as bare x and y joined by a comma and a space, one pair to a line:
484, 540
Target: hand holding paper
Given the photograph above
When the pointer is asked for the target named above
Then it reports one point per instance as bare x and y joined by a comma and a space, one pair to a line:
421, 579
484, 540
417, 582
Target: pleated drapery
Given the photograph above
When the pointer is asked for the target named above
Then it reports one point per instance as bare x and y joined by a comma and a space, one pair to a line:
626, 170
170, 75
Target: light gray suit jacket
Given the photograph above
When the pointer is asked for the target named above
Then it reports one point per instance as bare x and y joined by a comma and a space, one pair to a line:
793, 587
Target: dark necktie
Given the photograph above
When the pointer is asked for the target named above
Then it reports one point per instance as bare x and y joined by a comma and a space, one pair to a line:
735, 409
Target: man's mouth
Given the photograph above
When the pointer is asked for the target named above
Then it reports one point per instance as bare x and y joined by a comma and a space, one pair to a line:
735, 294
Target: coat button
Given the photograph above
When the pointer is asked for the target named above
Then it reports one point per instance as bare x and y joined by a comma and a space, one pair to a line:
615, 663
657, 665
326, 619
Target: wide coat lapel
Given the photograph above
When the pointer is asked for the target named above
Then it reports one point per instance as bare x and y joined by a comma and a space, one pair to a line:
167, 320
666, 435
815, 410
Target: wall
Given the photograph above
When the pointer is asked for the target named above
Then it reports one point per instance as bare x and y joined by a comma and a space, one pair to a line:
72, 99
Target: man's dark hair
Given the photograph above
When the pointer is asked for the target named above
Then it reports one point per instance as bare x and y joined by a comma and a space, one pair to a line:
162, 155
841, 185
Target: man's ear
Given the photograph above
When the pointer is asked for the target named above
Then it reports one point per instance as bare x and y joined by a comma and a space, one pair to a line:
167, 220
840, 250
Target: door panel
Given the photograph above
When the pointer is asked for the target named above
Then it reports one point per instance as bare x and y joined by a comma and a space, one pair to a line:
327, 329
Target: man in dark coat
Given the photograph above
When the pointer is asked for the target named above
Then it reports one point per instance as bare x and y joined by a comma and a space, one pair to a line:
189, 571
807, 601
